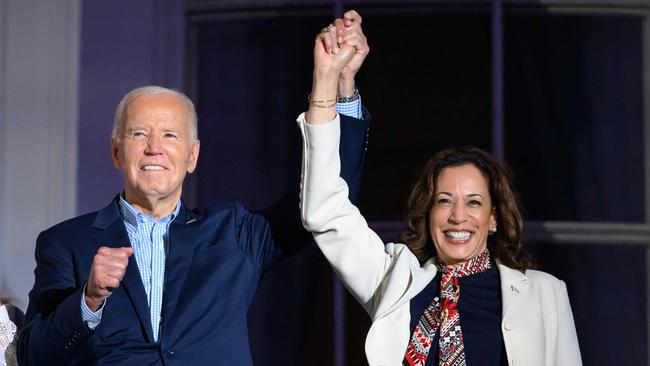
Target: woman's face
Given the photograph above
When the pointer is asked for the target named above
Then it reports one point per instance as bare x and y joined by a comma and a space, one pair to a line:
462, 214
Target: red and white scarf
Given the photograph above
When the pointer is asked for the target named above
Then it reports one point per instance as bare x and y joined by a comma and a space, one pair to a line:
443, 314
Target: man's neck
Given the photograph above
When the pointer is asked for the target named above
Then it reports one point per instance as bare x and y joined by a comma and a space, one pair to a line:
157, 208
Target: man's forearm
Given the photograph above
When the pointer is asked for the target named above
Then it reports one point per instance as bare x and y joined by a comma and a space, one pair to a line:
284, 215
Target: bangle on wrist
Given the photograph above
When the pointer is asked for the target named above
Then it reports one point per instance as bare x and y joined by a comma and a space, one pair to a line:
348, 98
327, 103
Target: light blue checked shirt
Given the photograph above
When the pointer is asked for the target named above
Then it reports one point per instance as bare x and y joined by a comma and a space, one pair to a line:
150, 241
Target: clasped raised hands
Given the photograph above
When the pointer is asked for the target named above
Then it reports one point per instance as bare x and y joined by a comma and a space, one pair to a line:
341, 47
339, 51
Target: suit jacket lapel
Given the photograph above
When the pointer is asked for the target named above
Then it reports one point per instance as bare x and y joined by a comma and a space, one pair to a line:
113, 234
514, 288
183, 235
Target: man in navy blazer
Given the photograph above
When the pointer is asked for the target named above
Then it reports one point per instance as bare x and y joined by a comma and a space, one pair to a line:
146, 280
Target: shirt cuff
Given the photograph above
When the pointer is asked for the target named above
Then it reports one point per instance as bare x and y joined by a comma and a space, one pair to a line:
350, 109
89, 317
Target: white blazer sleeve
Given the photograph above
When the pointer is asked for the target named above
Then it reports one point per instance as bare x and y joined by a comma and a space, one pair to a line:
357, 254
568, 347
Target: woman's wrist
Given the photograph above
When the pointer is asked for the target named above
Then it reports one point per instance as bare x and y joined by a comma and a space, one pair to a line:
322, 100
325, 85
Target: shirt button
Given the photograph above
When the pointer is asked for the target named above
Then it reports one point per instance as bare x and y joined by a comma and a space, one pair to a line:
507, 326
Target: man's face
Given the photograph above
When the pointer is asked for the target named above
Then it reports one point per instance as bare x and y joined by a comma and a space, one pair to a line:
155, 148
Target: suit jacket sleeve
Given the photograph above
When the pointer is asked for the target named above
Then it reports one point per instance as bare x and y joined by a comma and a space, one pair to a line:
53, 323
283, 217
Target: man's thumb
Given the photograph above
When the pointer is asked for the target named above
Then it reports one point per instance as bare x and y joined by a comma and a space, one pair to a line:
128, 250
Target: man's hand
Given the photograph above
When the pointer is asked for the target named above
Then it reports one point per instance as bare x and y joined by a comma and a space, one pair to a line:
352, 35
106, 272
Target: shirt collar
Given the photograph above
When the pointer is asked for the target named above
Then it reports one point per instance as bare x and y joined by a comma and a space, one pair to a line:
132, 215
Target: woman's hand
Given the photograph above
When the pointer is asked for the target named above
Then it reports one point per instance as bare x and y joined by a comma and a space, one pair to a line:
330, 54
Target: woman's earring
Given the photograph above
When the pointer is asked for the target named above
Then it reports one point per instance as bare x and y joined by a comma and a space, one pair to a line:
493, 231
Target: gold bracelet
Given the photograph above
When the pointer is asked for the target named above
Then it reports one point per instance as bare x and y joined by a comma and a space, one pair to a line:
322, 106
311, 102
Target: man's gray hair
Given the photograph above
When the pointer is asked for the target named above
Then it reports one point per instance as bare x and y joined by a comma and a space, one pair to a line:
120, 112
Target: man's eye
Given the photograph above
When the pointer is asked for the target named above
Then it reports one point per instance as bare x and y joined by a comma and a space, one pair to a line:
137, 134
171, 136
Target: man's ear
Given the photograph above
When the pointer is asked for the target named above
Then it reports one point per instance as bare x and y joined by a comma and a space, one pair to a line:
115, 152
194, 156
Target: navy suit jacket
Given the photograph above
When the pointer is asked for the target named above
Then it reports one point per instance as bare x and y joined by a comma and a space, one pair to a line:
216, 258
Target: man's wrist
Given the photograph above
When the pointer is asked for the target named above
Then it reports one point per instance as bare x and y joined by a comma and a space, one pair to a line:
91, 317
346, 86
92, 303
348, 98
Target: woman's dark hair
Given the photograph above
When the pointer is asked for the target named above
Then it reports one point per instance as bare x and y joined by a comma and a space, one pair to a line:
505, 245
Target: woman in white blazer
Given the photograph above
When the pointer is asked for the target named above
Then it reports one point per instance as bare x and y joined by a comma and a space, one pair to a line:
459, 291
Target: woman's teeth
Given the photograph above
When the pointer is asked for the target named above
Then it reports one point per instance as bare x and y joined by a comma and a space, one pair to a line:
457, 235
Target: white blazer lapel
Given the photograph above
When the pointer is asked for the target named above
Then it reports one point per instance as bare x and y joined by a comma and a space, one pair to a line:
514, 288
389, 334
406, 281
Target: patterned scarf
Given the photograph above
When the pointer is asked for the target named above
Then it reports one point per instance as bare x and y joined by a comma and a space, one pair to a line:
444, 315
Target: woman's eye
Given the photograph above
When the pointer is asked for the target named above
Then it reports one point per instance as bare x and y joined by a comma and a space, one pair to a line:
474, 203
444, 202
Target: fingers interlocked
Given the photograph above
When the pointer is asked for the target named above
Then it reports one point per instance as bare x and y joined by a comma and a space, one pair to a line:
332, 36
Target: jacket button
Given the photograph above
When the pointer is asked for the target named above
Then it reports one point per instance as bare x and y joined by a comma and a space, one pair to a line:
507, 326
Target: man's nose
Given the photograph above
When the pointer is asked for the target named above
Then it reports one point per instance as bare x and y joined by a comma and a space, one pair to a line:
154, 144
